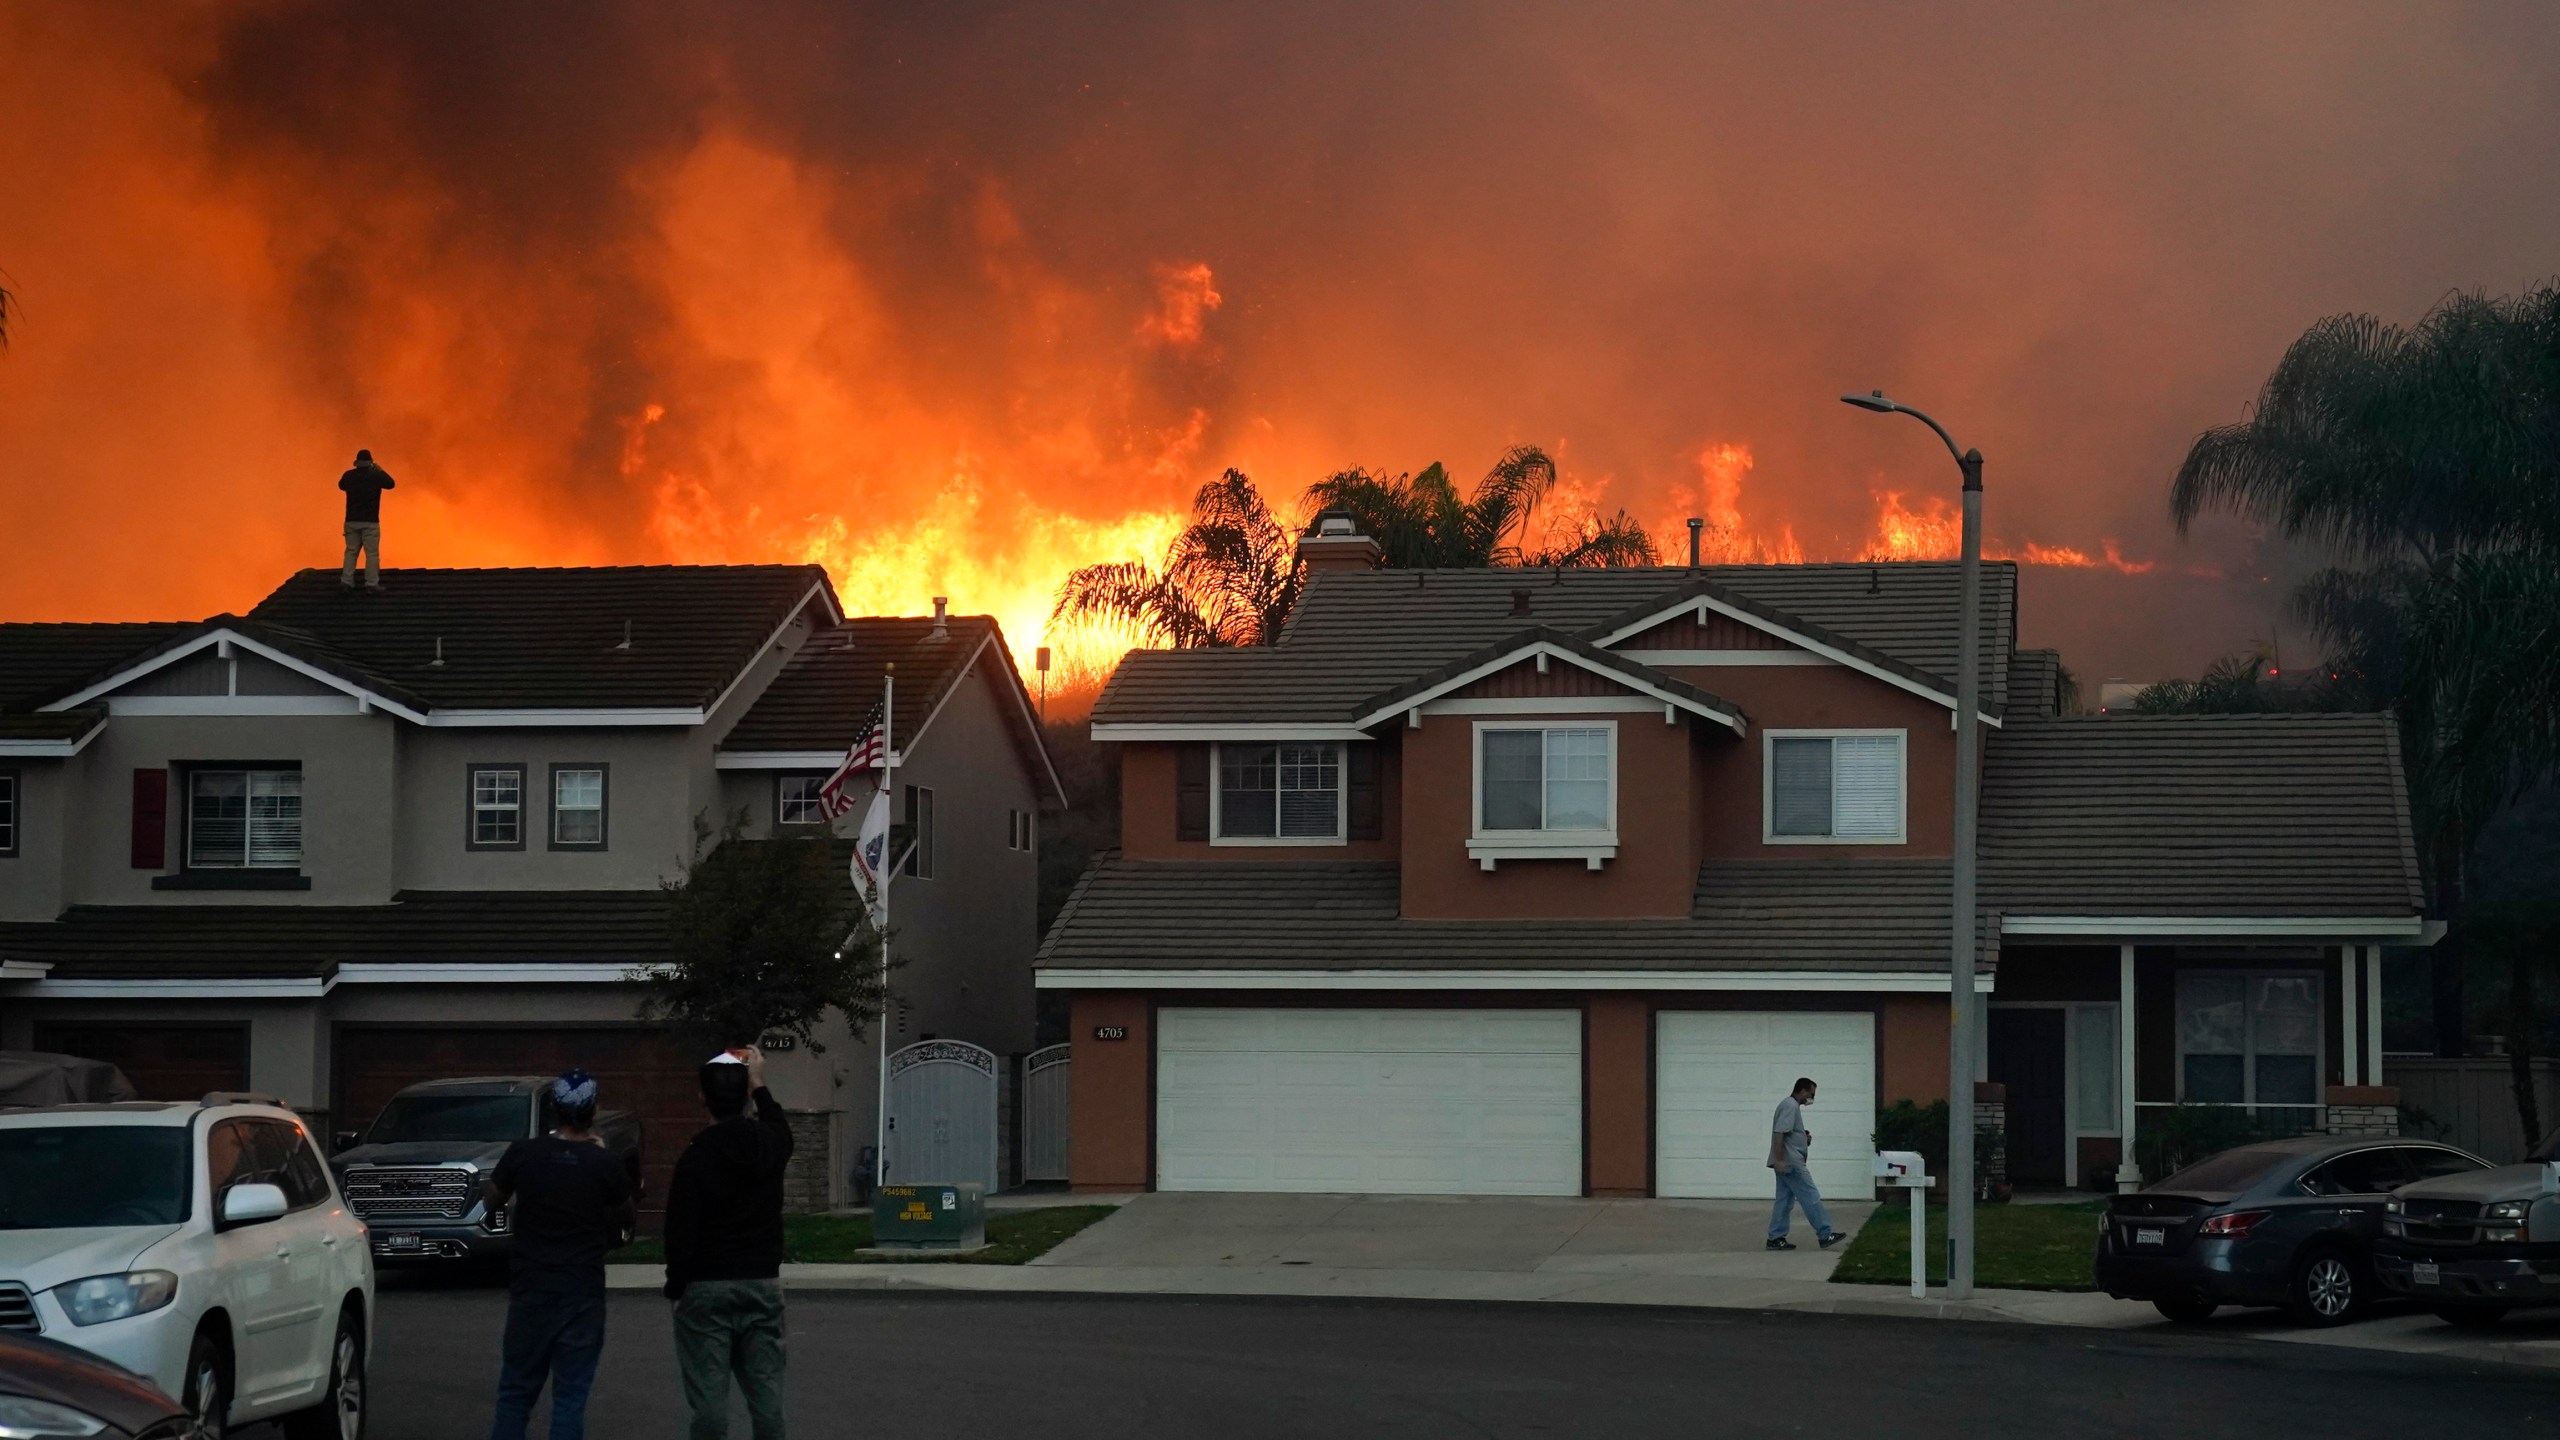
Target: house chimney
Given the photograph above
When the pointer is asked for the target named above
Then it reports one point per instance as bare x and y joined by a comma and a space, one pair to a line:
1697, 528
1334, 542
941, 622
1519, 602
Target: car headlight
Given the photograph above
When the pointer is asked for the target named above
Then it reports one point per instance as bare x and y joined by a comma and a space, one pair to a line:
2506, 1210
25, 1419
2392, 1207
102, 1298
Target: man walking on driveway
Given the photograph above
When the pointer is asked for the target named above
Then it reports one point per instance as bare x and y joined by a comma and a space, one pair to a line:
573, 1202
364, 486
1789, 1142
724, 1250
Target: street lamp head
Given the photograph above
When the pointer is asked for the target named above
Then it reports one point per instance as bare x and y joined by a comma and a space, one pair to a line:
1872, 400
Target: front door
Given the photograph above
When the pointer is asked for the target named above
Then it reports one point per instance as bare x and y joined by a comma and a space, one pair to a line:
2026, 1056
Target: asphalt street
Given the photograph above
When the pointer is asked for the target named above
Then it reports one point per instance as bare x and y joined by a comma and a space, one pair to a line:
870, 1364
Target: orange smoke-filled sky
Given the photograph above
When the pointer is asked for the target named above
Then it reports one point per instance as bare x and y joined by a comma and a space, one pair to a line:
953, 298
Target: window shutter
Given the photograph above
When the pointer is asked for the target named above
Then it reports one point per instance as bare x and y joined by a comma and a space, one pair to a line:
1799, 787
1362, 804
1191, 792
1866, 786
150, 819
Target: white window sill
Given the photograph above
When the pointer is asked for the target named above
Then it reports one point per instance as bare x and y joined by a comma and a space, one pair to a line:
1592, 847
1267, 841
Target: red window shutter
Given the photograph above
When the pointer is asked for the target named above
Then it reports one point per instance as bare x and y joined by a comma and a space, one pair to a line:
1360, 771
1191, 792
150, 819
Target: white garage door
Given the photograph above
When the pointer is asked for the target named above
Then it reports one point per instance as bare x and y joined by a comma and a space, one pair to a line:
1414, 1102
1718, 1076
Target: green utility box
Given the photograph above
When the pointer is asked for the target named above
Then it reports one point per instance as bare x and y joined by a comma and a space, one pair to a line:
929, 1217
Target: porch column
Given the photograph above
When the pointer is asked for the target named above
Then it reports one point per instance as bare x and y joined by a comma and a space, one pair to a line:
2373, 1015
2350, 1034
2128, 1174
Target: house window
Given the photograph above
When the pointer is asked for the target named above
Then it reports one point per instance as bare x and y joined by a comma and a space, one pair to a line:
1841, 788
796, 800
1283, 793
1545, 779
2248, 1039
497, 807
920, 833
1017, 830
244, 819
577, 807
8, 812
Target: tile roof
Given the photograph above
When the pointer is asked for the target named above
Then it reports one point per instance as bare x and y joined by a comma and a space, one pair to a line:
1355, 634
51, 725
2201, 815
41, 661
1843, 916
549, 638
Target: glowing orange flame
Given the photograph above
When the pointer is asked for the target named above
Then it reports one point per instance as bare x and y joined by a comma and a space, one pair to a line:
1185, 294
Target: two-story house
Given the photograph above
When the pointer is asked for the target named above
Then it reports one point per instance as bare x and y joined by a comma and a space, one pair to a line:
347, 842
1552, 882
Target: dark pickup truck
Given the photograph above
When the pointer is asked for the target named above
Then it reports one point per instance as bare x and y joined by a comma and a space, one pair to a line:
417, 1176
2472, 1247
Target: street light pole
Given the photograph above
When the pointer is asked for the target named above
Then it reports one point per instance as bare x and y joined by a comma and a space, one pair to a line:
1964, 1031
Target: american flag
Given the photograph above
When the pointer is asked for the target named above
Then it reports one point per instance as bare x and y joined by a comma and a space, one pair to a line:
870, 749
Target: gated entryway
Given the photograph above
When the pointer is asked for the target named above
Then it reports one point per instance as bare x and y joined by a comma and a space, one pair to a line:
942, 1115
1044, 1114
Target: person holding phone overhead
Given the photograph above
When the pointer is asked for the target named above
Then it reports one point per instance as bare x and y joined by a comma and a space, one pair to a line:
724, 1250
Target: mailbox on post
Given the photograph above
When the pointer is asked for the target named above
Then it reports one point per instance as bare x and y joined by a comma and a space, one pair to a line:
928, 1217
1907, 1169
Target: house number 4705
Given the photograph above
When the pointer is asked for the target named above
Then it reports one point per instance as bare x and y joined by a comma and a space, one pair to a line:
1110, 1032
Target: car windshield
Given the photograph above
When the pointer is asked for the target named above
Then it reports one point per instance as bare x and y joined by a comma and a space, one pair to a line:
452, 1117
62, 1177
2230, 1172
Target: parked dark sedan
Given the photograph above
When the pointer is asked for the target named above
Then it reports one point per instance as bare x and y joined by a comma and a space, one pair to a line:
2283, 1222
48, 1388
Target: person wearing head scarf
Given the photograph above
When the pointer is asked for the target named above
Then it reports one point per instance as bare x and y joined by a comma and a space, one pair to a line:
573, 1200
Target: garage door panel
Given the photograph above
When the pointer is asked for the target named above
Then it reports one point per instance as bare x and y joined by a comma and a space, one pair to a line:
1413, 1101
1720, 1074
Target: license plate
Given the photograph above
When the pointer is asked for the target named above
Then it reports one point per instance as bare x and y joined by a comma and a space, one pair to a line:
2150, 1237
2423, 1272
400, 1242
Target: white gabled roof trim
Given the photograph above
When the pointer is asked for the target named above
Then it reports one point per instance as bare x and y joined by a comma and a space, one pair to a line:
50, 749
23, 969
289, 987
1921, 981
229, 637
1225, 731
2237, 926
1832, 653
818, 590
1022, 703
581, 716
1547, 650
304, 986
428, 972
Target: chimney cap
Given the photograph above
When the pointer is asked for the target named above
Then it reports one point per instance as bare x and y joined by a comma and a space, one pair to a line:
941, 621
1333, 541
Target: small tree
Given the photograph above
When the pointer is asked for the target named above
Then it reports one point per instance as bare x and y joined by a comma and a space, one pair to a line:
762, 939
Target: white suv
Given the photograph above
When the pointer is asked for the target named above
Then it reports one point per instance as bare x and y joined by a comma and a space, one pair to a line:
198, 1245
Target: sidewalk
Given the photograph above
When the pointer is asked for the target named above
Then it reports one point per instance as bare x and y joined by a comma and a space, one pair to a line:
1691, 1253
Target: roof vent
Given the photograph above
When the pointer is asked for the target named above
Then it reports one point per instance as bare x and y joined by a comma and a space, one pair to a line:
626, 636
439, 660
941, 622
1519, 602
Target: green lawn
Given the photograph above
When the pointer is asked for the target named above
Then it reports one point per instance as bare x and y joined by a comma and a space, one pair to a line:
833, 1239
2015, 1247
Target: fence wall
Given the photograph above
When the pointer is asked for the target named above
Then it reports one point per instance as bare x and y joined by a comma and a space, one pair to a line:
2475, 1101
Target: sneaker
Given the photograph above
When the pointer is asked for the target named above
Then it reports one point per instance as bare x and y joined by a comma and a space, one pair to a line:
1781, 1242
1834, 1238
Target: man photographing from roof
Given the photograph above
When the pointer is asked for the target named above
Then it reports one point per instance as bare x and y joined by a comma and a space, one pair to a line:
573, 1202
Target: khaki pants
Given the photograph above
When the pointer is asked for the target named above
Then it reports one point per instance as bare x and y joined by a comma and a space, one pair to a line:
365, 535
731, 1329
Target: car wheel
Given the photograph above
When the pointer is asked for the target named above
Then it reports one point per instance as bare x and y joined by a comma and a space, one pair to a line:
208, 1393
340, 1413
2186, 1312
2325, 1289
2471, 1317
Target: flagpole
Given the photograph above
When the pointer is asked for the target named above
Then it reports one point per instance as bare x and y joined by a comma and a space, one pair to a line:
880, 915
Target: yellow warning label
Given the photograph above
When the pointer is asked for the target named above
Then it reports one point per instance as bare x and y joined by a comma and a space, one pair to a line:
916, 1210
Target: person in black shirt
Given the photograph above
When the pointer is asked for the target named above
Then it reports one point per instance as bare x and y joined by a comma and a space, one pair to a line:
724, 1250
573, 1201
364, 486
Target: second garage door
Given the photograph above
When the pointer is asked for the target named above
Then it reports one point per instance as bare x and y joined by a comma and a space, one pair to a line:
1420, 1102
1719, 1075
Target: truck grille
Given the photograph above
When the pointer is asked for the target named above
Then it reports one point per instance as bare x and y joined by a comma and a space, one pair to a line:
2441, 1222
383, 1192
17, 1309
2441, 1209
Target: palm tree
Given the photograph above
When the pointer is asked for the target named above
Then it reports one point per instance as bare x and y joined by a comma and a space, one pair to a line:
2428, 458
1419, 521
1229, 578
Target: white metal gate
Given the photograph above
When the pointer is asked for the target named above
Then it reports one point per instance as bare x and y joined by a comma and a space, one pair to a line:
942, 1115
1044, 1114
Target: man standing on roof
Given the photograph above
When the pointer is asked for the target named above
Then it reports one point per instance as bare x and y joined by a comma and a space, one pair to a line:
364, 486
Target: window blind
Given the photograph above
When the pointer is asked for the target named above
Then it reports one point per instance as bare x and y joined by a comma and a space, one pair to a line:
1866, 786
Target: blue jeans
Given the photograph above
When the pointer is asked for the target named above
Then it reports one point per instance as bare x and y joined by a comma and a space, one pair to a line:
558, 1337
1795, 1187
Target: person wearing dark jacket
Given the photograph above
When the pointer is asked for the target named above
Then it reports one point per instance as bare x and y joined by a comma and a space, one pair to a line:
364, 486
724, 1250
572, 1202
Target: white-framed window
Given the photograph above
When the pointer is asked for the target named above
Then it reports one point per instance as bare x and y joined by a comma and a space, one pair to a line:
8, 812
796, 800
1834, 787
497, 807
578, 807
1288, 792
1018, 834
244, 819
1545, 792
2250, 1037
920, 852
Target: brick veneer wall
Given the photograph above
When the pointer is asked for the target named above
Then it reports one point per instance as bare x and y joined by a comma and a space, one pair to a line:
808, 1185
